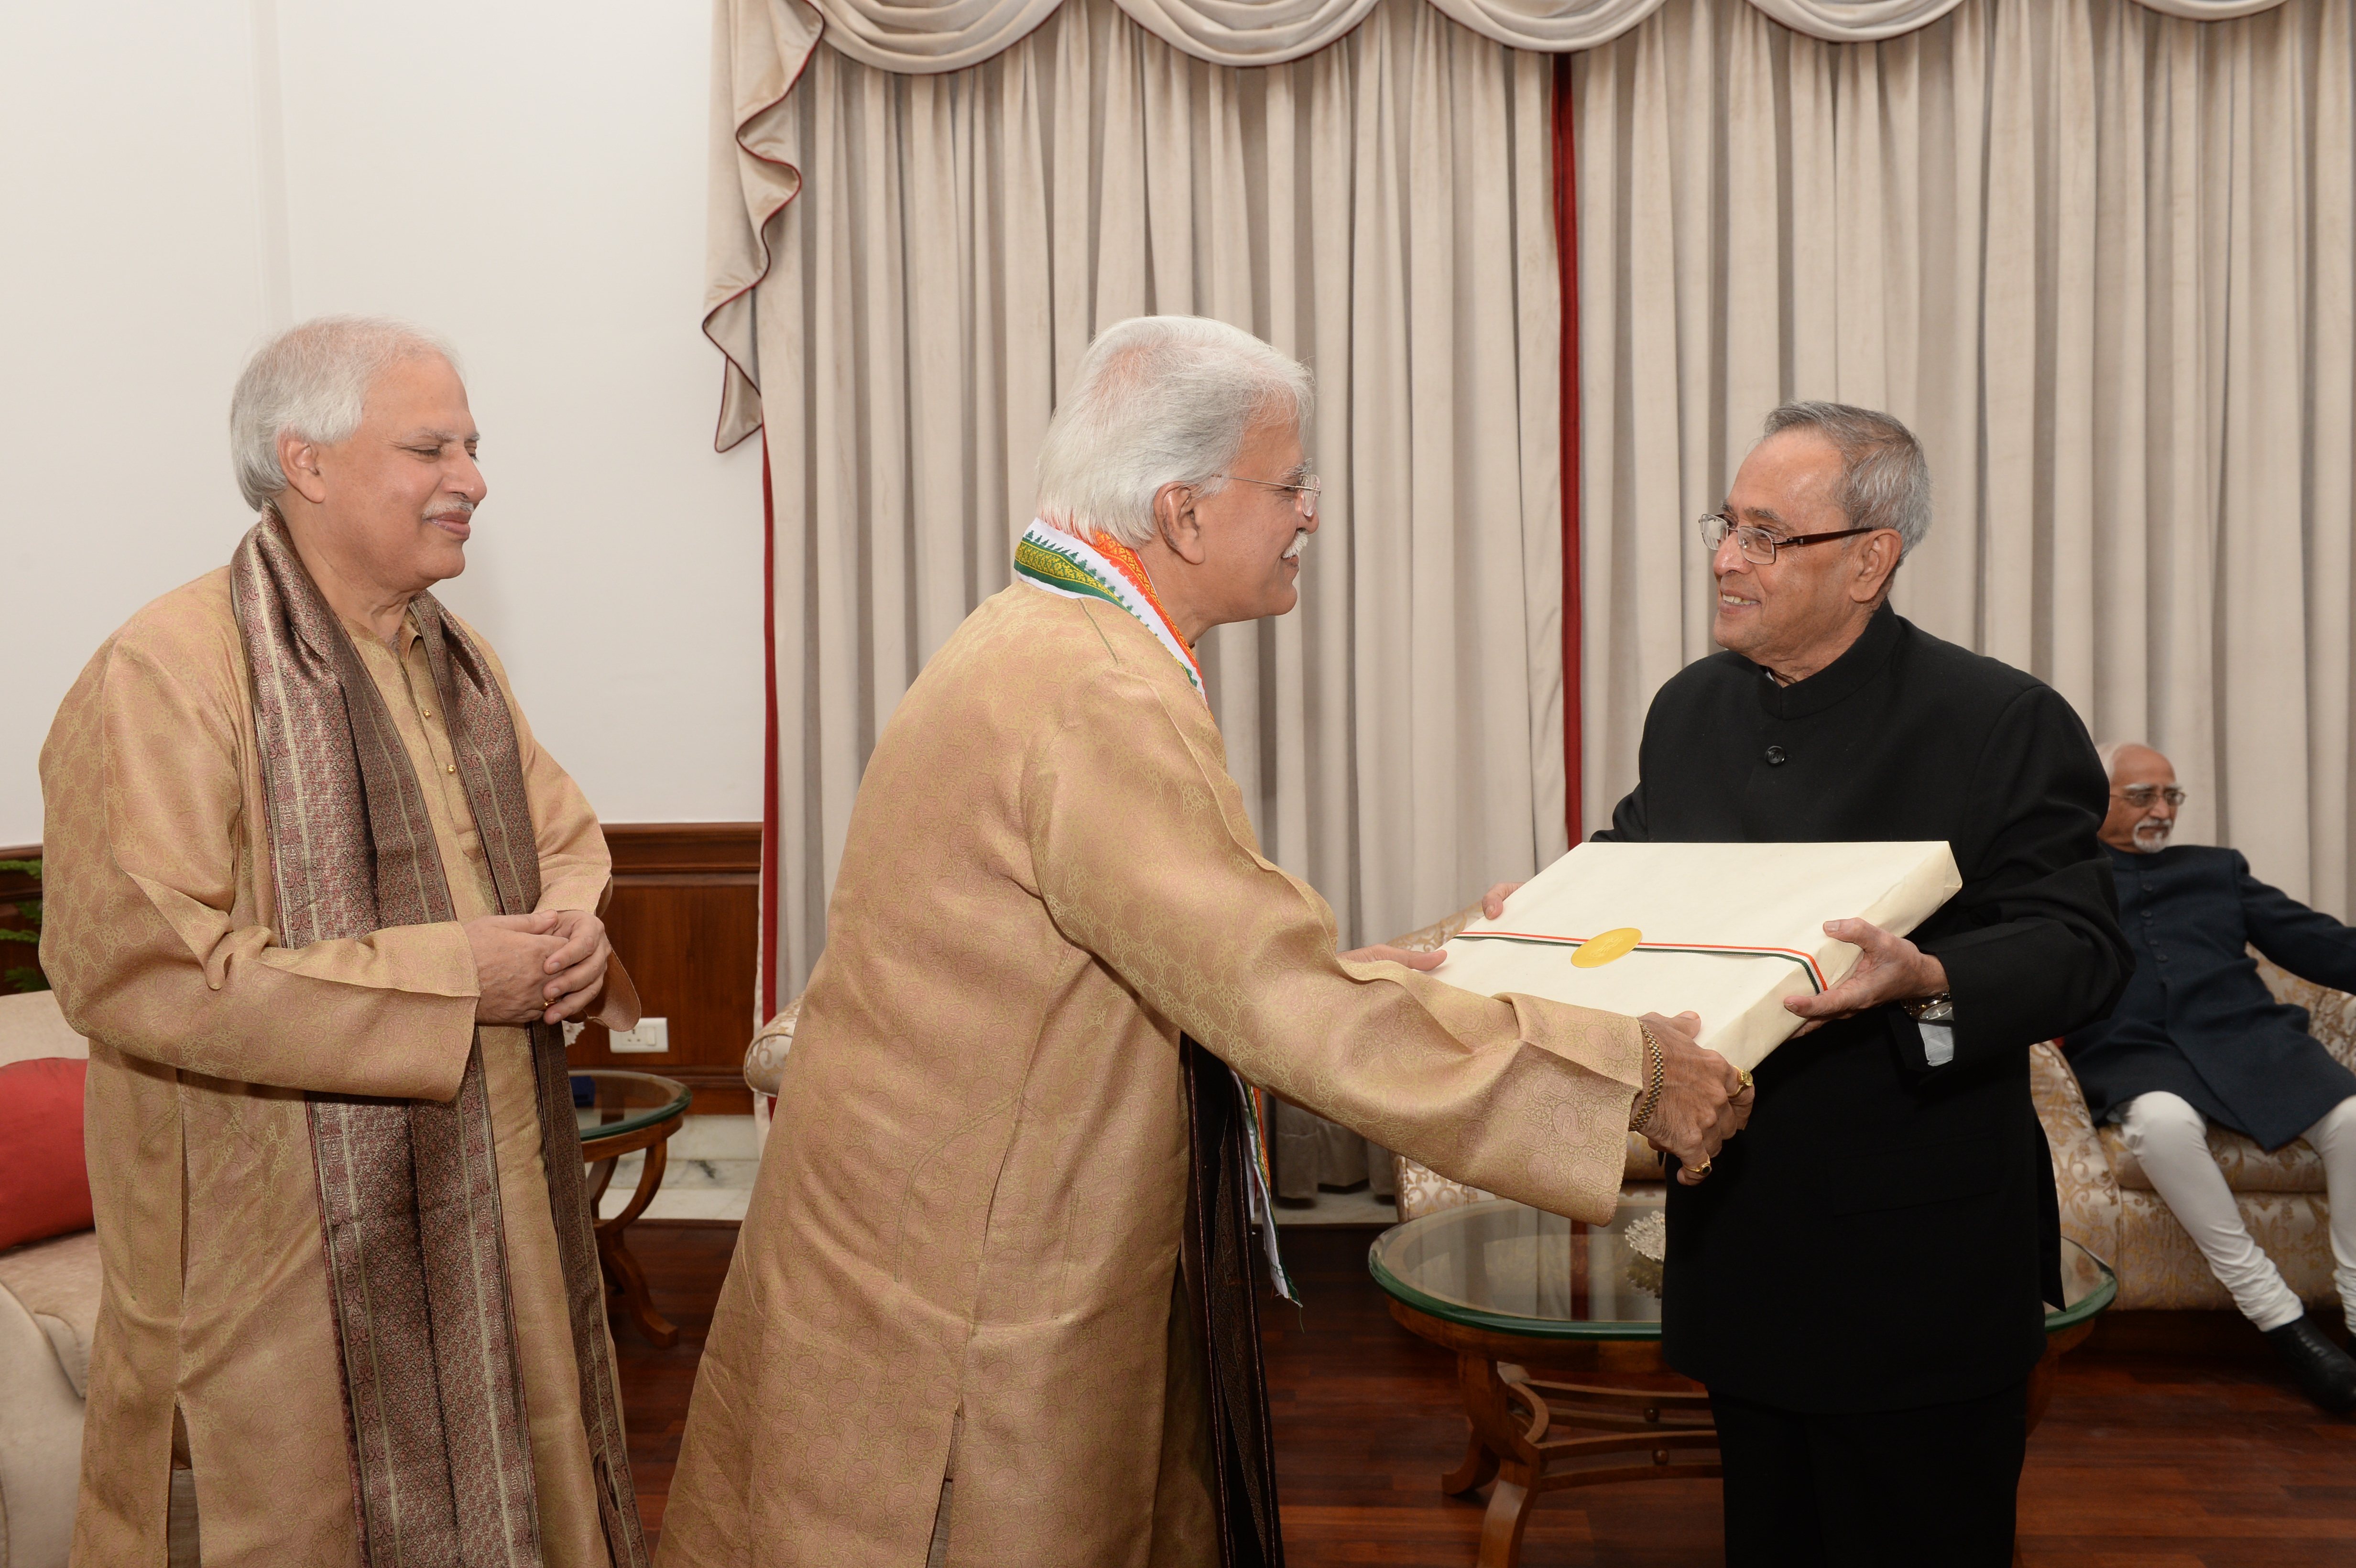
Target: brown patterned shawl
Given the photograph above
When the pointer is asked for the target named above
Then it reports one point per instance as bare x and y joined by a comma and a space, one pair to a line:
409, 1195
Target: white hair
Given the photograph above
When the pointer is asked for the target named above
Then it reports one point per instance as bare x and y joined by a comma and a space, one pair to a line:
2108, 750
1159, 400
311, 381
1885, 479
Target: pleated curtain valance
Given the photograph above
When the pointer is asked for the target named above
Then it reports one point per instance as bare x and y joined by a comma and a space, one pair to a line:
951, 36
769, 44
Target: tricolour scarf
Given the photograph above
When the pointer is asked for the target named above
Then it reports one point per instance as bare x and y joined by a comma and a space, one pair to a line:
439, 1440
1101, 566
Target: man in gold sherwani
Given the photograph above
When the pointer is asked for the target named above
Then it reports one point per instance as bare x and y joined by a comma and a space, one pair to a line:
320, 903
991, 1305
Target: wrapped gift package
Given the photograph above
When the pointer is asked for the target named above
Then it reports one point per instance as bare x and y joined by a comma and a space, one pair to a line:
1726, 931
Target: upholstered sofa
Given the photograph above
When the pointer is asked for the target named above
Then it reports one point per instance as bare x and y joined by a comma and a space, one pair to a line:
2108, 1206
48, 1309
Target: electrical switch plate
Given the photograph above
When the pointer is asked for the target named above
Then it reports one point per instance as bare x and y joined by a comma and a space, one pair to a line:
651, 1035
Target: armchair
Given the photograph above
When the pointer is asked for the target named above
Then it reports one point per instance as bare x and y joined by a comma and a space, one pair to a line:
2109, 1208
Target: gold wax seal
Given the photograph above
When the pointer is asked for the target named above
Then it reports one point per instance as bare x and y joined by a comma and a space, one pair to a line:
1596, 951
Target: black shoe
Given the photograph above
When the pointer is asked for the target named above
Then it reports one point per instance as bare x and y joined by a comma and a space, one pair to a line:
2324, 1372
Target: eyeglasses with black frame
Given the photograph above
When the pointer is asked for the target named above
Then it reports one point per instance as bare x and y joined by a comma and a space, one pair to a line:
1757, 545
1304, 491
2140, 796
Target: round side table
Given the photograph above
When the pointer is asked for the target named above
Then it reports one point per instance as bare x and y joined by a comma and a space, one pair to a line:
1557, 1330
632, 1111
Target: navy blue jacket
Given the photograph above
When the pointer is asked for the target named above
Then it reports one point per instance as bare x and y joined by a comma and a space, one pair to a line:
1884, 1234
2196, 1020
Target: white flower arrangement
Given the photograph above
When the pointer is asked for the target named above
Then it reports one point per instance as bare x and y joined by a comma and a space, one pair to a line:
1647, 1240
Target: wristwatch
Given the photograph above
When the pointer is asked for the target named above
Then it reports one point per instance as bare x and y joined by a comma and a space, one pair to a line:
1938, 1009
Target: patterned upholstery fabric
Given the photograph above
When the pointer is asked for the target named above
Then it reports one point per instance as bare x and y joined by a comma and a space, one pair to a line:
2082, 1171
764, 1058
2108, 1207
1423, 1190
2163, 1269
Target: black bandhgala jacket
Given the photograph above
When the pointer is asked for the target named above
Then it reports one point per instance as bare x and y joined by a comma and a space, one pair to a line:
2196, 1020
1882, 1235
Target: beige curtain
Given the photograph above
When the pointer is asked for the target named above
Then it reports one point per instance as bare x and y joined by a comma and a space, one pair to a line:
1383, 210
2102, 260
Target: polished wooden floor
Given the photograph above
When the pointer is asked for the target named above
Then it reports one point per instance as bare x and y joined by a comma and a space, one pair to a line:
2170, 1444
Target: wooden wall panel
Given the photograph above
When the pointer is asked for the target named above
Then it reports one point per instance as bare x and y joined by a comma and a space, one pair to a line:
685, 919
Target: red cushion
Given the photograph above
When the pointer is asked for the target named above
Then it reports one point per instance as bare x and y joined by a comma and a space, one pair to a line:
44, 1184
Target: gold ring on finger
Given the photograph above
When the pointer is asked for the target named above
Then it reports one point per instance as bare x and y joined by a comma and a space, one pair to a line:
1703, 1169
1747, 1082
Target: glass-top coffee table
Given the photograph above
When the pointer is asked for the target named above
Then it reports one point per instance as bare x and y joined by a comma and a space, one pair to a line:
1557, 1330
629, 1111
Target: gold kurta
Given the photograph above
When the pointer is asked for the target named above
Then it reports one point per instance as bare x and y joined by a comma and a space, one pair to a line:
968, 1218
204, 1033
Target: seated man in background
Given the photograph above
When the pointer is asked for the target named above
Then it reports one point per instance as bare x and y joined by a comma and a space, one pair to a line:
2198, 1039
993, 1304
320, 900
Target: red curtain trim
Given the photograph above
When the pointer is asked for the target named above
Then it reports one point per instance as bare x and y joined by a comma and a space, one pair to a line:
769, 743
1565, 236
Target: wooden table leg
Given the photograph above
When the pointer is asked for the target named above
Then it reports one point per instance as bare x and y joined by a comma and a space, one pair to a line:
1501, 1449
620, 1268
1480, 1468
1509, 1516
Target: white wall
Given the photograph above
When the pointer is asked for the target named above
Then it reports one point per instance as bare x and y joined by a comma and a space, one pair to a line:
182, 178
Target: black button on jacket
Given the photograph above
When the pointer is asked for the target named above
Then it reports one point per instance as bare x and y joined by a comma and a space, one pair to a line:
2196, 1020
1884, 1234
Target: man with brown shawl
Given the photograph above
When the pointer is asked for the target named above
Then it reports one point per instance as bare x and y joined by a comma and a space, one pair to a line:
321, 904
993, 1301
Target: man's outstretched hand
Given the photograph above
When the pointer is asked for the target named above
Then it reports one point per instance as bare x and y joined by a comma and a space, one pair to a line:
1892, 969
1704, 1101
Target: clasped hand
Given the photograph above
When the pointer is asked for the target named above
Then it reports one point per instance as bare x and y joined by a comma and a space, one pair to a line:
547, 967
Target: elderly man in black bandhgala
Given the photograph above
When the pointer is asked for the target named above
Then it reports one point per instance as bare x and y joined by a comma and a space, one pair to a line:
1859, 1281
2198, 1039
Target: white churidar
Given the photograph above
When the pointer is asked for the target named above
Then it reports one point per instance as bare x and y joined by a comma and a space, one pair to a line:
2100, 260
2170, 1140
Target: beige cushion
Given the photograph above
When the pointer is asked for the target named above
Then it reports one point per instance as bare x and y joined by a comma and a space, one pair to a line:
764, 1058
2331, 1015
1423, 1190
58, 1281
31, 1025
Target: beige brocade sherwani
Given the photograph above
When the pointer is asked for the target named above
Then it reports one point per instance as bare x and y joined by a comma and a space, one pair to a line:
203, 1034
968, 1218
